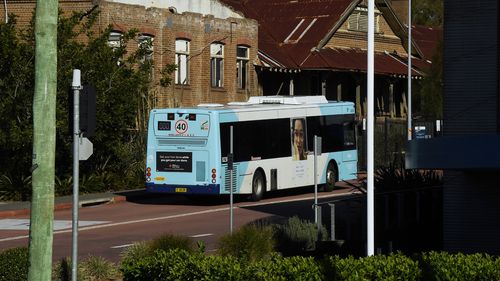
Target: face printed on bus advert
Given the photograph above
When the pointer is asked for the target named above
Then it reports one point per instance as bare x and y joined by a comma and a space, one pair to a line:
298, 140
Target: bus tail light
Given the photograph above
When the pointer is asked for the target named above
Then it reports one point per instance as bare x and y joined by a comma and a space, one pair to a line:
214, 175
148, 174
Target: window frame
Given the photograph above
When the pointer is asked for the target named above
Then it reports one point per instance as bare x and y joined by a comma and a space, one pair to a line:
117, 43
182, 66
217, 65
242, 67
144, 38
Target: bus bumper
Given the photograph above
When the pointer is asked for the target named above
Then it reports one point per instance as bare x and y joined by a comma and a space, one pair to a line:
213, 189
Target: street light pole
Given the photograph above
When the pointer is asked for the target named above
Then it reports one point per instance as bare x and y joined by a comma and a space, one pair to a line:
370, 204
409, 73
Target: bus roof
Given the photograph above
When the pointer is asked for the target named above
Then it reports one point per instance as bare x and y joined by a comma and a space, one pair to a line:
274, 102
270, 107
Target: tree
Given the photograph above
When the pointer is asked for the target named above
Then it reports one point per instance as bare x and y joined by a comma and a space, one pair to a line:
124, 85
427, 12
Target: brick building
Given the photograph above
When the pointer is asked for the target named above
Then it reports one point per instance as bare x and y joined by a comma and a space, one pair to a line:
214, 47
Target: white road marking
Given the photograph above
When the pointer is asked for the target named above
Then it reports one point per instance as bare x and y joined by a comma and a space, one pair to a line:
121, 246
201, 235
24, 224
106, 225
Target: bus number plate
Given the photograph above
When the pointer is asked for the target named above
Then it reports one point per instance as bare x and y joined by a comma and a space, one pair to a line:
180, 189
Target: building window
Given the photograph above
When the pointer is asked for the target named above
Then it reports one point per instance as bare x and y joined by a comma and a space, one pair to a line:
146, 43
115, 40
358, 20
217, 64
181, 61
242, 58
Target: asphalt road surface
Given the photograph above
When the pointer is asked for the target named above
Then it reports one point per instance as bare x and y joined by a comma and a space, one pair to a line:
106, 230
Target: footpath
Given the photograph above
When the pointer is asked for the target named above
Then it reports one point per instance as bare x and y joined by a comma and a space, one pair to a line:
17, 208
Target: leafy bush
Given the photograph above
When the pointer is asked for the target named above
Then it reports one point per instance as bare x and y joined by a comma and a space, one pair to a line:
250, 243
148, 248
177, 264
444, 266
15, 188
181, 265
279, 268
297, 236
392, 267
124, 95
391, 178
169, 241
14, 264
92, 268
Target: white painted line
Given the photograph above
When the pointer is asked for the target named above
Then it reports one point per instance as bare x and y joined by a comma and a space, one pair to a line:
121, 246
209, 211
201, 235
24, 224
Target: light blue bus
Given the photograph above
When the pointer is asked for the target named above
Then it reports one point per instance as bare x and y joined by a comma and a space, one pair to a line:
187, 150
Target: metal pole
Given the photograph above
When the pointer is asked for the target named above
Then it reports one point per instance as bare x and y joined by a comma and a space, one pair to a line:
76, 85
332, 221
315, 181
409, 72
231, 182
370, 138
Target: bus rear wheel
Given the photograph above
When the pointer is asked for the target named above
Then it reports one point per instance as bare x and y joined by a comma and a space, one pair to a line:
257, 186
331, 177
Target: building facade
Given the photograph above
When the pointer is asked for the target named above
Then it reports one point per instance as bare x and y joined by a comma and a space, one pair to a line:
469, 151
213, 47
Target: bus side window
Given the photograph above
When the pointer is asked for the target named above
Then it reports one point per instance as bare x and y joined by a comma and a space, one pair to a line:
314, 128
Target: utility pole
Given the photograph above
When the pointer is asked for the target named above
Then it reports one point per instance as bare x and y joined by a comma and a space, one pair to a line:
44, 141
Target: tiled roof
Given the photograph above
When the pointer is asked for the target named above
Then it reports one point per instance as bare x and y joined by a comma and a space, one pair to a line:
290, 29
355, 60
427, 39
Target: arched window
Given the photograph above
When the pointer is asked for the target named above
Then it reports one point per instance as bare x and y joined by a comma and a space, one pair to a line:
242, 58
182, 61
217, 64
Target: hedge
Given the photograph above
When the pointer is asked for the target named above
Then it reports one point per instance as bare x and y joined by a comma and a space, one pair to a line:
14, 264
181, 265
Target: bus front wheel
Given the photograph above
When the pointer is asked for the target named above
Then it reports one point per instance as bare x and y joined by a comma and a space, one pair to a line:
257, 186
331, 177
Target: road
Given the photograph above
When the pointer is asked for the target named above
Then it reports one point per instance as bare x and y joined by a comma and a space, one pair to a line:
106, 230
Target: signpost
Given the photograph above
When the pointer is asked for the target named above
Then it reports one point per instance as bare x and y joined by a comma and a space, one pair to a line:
317, 151
82, 150
230, 169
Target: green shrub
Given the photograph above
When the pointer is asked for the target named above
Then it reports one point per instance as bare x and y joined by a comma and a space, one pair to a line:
97, 268
279, 268
164, 242
14, 264
296, 236
391, 178
92, 268
444, 266
380, 267
61, 271
169, 241
178, 264
250, 243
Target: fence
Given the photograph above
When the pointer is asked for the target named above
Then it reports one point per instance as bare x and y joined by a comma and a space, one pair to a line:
390, 140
